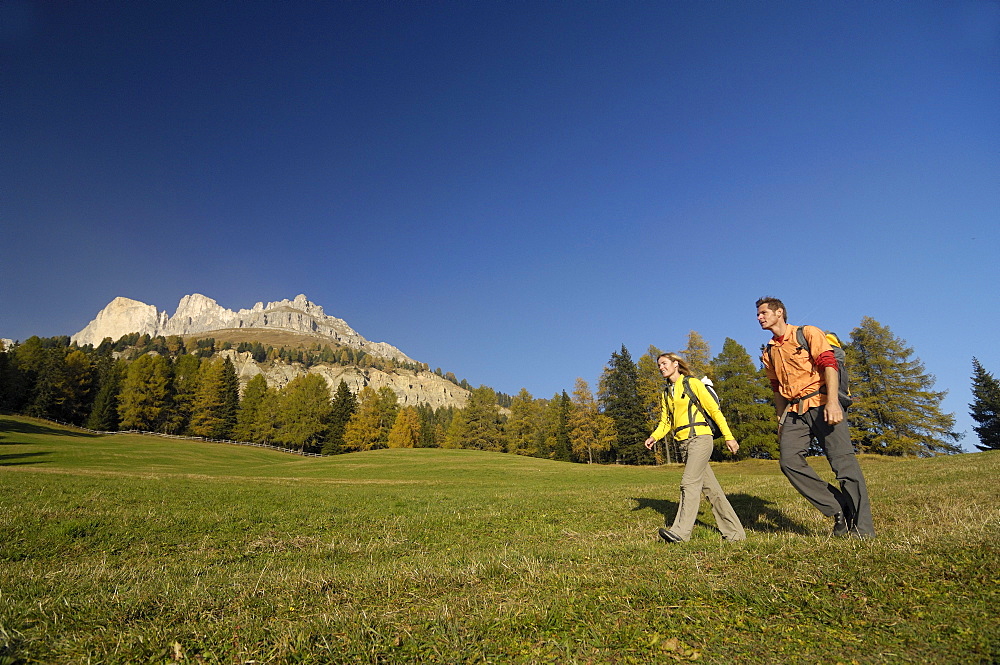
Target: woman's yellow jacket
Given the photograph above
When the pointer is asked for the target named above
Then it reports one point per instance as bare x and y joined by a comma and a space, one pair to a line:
677, 412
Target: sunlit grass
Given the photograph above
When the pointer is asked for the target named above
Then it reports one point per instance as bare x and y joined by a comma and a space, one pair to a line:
126, 549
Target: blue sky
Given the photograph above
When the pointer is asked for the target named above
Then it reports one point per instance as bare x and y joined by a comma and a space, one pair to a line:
512, 190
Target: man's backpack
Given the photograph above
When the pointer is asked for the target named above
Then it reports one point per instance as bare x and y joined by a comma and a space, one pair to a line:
844, 385
696, 404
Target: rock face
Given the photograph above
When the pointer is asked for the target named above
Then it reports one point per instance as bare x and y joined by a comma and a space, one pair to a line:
197, 314
411, 388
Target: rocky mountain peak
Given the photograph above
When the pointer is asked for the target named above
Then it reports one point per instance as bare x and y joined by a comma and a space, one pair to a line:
199, 314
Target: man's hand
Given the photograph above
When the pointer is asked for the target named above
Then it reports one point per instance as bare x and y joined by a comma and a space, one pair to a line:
732, 445
650, 442
834, 414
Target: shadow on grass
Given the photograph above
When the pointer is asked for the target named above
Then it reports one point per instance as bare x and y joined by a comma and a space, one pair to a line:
755, 513
21, 427
5, 459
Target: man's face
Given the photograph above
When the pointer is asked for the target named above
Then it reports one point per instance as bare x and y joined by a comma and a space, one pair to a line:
768, 318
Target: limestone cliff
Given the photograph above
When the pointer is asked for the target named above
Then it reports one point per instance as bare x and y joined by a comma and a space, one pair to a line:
199, 315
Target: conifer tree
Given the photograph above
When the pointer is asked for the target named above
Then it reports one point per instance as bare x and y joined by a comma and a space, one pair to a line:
405, 432
521, 428
895, 411
746, 399
254, 396
305, 413
103, 415
145, 397
618, 395
590, 431
697, 355
985, 407
481, 416
651, 385
369, 427
213, 412
343, 407
186, 370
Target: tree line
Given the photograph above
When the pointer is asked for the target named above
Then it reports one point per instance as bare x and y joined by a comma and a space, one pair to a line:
175, 386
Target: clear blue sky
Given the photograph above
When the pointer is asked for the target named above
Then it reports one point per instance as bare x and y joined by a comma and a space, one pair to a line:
512, 190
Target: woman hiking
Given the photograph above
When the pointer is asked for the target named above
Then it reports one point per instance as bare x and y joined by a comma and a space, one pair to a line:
686, 420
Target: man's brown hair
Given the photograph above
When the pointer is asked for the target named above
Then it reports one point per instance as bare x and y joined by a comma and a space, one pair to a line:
774, 304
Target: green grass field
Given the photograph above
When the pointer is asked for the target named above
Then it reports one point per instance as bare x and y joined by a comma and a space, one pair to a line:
132, 549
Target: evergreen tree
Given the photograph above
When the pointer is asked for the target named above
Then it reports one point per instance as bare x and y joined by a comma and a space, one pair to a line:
455, 433
254, 396
619, 397
590, 430
482, 421
895, 410
343, 407
213, 412
305, 413
985, 407
145, 398
405, 432
186, 370
104, 411
697, 355
747, 401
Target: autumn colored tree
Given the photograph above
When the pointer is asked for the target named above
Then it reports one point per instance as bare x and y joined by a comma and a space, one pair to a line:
590, 431
697, 355
369, 427
405, 432
521, 428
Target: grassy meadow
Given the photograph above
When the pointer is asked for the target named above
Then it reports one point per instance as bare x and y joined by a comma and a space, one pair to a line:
133, 549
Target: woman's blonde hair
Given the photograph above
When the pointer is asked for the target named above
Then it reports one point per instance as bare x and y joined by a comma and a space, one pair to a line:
682, 365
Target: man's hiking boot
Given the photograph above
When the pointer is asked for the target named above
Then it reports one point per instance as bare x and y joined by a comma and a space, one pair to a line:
841, 526
669, 536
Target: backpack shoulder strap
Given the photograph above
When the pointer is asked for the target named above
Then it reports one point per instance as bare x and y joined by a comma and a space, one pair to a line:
800, 336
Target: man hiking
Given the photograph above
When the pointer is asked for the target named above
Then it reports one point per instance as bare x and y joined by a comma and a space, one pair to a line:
805, 379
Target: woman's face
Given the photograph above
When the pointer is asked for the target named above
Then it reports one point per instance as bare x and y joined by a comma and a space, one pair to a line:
667, 366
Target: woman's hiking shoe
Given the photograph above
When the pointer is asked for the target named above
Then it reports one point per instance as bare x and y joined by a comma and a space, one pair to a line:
669, 536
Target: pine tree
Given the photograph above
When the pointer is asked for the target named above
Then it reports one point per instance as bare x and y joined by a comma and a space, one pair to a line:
186, 370
746, 399
343, 407
590, 430
104, 411
985, 408
618, 395
895, 411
